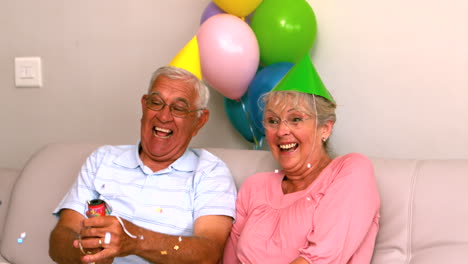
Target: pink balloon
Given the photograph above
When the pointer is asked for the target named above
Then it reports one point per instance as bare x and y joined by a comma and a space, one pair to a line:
229, 54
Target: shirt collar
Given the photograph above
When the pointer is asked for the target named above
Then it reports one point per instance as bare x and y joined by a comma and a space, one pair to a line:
131, 159
187, 162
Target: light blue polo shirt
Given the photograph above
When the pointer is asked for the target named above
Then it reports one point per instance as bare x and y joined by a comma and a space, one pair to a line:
167, 201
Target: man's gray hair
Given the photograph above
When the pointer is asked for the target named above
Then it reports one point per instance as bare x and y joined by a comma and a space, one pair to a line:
175, 73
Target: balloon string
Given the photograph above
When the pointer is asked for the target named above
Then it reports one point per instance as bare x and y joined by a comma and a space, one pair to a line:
260, 143
257, 143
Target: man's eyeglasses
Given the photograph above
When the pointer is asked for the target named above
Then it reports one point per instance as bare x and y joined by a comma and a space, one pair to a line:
179, 109
293, 121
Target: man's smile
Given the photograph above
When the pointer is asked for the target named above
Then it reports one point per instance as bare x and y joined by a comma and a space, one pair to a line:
162, 132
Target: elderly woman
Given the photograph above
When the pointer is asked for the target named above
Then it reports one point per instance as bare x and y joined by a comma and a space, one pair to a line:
316, 209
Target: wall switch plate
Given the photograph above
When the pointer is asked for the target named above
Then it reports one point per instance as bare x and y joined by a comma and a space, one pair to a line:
28, 72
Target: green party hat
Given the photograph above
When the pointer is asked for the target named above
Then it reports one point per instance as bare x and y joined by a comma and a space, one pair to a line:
303, 77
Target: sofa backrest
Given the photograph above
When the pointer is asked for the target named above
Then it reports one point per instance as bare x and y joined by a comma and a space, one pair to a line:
244, 163
423, 212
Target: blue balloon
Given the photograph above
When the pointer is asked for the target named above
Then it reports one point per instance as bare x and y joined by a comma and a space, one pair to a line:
265, 80
240, 117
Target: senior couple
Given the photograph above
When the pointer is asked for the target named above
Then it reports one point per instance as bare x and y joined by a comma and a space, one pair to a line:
169, 203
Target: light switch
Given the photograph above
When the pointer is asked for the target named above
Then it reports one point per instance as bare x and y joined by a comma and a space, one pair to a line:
28, 72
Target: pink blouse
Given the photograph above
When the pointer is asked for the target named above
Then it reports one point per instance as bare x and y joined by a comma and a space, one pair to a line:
334, 220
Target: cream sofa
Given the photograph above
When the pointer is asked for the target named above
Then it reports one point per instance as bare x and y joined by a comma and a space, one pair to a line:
423, 216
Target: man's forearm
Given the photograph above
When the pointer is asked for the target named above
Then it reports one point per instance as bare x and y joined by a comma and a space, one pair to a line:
125, 238
61, 248
161, 248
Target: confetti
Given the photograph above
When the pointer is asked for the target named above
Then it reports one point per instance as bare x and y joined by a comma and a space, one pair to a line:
176, 247
276, 171
308, 165
20, 240
141, 237
308, 199
164, 252
159, 209
180, 239
103, 186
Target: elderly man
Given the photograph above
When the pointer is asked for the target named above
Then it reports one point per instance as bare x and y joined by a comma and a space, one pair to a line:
169, 203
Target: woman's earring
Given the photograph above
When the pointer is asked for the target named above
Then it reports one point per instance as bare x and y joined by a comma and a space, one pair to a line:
324, 139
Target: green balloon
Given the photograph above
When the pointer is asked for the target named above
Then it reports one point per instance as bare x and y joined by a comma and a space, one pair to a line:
285, 30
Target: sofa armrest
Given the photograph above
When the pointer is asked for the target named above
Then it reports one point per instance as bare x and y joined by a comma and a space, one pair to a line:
3, 261
7, 180
43, 182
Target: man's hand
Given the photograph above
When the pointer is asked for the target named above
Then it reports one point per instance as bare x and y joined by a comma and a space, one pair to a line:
205, 246
107, 238
64, 246
90, 251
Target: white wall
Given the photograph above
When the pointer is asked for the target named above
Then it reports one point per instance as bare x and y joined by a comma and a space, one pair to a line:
398, 69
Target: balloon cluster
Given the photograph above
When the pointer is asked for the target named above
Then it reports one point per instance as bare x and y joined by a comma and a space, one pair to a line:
245, 48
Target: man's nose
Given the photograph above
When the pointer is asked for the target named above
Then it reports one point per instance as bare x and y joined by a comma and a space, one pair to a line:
165, 114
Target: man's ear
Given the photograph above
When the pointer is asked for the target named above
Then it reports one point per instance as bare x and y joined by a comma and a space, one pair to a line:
201, 121
143, 103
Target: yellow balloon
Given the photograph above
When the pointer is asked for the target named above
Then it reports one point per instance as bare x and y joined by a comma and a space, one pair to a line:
189, 58
240, 8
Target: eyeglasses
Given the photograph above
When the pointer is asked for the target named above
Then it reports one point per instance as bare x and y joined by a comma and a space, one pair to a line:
293, 121
179, 109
